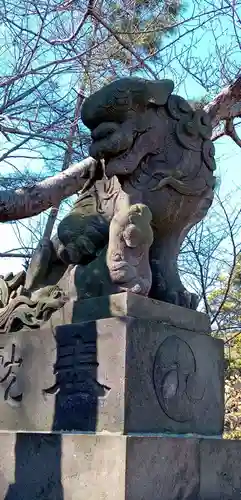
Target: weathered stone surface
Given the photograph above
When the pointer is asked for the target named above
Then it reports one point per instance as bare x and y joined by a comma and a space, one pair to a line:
77, 467
48, 467
116, 375
130, 304
167, 389
28, 359
220, 470
162, 468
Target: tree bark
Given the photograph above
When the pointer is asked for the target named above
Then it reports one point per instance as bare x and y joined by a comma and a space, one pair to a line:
32, 200
226, 105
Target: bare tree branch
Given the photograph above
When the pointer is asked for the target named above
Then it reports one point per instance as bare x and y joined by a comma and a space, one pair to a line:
33, 200
15, 255
76, 32
227, 104
231, 132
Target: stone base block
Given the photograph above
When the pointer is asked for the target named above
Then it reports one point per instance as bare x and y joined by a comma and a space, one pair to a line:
124, 375
129, 304
77, 467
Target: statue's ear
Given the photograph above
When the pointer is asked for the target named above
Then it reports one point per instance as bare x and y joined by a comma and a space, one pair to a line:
159, 91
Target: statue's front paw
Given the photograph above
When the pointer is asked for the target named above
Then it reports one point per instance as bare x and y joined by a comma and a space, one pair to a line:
188, 299
182, 298
127, 279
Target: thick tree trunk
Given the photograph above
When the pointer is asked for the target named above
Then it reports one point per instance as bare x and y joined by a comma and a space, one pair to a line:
29, 201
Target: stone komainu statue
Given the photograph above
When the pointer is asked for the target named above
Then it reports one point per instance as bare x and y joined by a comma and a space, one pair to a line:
154, 172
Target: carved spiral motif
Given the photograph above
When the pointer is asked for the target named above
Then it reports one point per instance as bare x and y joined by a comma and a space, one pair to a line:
208, 153
177, 107
175, 379
203, 124
192, 127
188, 135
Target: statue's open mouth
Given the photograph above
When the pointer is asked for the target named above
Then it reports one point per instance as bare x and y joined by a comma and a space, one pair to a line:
120, 147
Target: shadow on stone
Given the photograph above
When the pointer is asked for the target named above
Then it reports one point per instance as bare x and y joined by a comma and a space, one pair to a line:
76, 392
76, 388
37, 468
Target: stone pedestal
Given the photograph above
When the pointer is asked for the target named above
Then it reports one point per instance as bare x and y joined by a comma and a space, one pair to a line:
78, 467
121, 384
121, 374
129, 304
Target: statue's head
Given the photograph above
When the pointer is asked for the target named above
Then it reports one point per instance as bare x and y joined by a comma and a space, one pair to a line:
132, 118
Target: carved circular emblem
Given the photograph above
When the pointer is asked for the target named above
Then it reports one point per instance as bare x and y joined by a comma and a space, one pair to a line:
176, 382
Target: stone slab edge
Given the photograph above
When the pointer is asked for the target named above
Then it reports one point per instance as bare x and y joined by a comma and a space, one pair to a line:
130, 304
